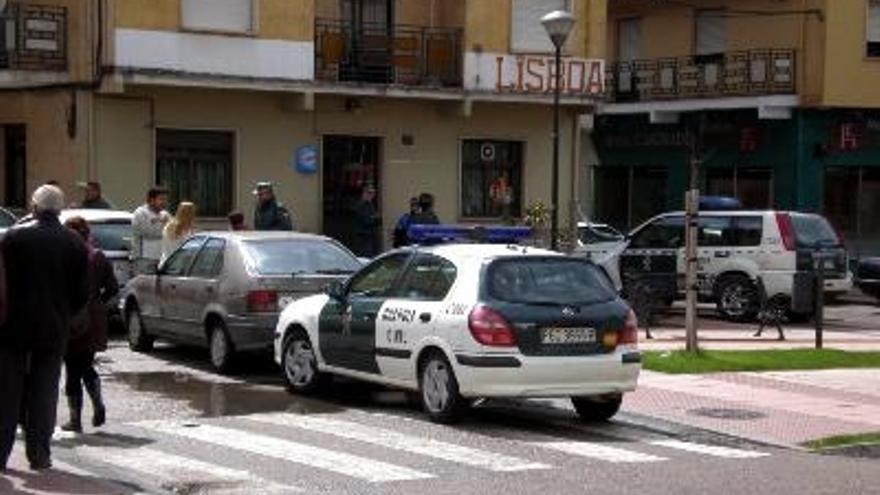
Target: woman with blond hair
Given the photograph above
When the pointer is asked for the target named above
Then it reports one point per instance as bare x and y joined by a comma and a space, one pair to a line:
178, 229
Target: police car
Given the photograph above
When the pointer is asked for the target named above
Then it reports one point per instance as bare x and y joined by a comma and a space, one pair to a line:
459, 322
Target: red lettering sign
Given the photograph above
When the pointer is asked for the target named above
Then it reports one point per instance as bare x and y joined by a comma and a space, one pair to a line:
537, 75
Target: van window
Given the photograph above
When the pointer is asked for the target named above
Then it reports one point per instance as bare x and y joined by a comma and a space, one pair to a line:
813, 231
663, 233
749, 231
715, 232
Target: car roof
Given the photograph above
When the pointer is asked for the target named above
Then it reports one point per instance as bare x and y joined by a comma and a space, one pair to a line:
260, 235
464, 251
96, 215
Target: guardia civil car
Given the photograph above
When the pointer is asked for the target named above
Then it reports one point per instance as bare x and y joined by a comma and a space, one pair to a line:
467, 321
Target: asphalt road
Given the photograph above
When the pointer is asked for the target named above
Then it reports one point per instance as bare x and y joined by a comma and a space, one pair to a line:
175, 427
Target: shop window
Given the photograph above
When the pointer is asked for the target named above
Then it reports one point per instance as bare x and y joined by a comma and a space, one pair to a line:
710, 32
627, 196
872, 42
197, 166
851, 203
752, 186
527, 33
491, 179
235, 16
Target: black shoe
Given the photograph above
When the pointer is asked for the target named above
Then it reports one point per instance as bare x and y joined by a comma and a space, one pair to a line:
99, 414
75, 404
41, 465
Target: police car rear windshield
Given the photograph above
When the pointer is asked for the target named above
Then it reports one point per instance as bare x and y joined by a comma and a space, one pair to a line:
547, 281
813, 231
296, 256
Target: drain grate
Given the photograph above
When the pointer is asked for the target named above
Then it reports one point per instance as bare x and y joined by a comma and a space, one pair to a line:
721, 413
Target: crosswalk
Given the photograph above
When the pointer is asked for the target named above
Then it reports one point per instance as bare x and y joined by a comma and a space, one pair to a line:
235, 454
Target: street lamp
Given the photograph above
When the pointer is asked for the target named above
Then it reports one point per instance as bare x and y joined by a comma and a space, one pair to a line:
558, 25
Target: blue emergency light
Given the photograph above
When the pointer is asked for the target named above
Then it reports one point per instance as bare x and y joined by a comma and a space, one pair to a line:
439, 234
719, 203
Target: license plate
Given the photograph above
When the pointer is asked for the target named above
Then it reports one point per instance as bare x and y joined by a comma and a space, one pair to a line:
283, 301
572, 335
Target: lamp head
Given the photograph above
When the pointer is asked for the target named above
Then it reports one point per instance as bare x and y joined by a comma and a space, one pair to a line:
558, 25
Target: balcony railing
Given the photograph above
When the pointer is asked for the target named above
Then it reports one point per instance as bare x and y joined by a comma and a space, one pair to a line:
742, 73
33, 37
380, 54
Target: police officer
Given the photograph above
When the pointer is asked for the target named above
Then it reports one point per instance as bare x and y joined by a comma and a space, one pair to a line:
269, 215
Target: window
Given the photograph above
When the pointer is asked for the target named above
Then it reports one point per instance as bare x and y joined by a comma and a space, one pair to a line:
428, 278
491, 179
541, 280
629, 39
112, 236
218, 15
289, 257
627, 196
209, 264
180, 260
873, 29
749, 231
663, 233
527, 33
852, 200
715, 232
377, 279
752, 186
710, 33
197, 166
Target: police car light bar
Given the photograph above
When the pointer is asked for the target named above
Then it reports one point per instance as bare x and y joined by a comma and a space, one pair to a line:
437, 234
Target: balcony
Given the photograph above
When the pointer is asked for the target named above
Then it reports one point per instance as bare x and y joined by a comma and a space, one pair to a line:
741, 73
396, 55
33, 37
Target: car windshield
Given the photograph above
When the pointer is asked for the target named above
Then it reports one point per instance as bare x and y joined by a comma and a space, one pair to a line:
293, 256
561, 281
813, 231
112, 236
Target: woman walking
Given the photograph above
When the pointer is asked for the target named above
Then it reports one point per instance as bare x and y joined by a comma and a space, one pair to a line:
178, 229
88, 335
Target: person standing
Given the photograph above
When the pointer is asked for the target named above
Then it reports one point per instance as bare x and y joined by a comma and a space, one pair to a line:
269, 214
401, 228
366, 224
47, 281
88, 335
148, 224
94, 200
178, 229
425, 215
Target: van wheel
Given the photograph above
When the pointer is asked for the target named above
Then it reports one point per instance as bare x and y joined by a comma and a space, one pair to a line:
138, 339
220, 348
438, 388
597, 408
737, 298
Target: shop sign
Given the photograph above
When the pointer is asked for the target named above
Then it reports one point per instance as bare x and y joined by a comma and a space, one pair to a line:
305, 159
534, 74
652, 139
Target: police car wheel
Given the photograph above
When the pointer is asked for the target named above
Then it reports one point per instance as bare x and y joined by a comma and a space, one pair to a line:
220, 348
439, 390
300, 366
138, 340
597, 408
737, 299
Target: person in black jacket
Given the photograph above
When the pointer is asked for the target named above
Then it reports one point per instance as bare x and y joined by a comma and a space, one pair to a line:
47, 282
366, 224
88, 335
269, 214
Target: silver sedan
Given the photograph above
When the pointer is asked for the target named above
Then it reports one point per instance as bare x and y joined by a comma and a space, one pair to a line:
224, 290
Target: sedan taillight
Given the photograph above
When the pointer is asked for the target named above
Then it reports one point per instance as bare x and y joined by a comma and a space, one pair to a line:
629, 334
490, 328
262, 301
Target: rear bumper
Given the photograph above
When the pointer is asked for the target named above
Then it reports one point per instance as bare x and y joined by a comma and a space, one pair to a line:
251, 332
515, 375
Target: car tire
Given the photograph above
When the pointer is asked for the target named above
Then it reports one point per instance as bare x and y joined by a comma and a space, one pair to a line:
438, 390
299, 365
737, 298
138, 338
220, 348
594, 409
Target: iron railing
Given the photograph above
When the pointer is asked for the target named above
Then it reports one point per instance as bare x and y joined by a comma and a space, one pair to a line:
741, 73
33, 37
382, 54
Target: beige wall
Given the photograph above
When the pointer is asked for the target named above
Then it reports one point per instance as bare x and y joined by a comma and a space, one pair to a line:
851, 79
269, 127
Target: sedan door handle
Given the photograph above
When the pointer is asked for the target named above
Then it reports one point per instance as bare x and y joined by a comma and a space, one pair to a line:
425, 317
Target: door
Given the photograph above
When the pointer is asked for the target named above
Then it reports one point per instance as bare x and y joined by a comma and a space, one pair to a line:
652, 257
369, 37
170, 283
347, 326
14, 160
350, 163
200, 288
410, 315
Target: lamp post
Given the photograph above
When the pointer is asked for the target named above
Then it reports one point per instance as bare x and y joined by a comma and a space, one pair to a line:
558, 25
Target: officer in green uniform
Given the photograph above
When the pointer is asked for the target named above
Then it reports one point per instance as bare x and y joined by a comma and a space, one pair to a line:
269, 215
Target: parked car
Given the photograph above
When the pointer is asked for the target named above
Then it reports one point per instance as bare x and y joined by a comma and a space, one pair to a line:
600, 243
868, 276
735, 249
224, 290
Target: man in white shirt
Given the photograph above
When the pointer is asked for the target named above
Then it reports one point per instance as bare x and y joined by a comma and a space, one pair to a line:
148, 223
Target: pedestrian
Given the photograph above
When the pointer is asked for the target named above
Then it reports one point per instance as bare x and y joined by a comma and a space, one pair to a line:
401, 228
269, 214
88, 335
178, 229
366, 223
47, 281
236, 221
148, 224
94, 200
426, 215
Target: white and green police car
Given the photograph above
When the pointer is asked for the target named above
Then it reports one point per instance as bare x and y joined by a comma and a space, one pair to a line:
461, 322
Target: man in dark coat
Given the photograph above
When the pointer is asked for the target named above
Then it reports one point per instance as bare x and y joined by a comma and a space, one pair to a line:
47, 281
94, 200
366, 224
269, 215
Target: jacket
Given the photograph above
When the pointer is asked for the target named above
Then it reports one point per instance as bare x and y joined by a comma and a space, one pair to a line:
47, 282
272, 216
89, 333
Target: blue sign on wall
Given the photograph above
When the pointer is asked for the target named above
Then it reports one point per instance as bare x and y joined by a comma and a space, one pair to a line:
306, 159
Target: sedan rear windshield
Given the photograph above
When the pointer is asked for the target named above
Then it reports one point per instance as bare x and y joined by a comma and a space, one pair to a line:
813, 231
114, 236
294, 256
554, 280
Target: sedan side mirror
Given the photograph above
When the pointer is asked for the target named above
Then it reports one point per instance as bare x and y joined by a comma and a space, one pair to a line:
336, 290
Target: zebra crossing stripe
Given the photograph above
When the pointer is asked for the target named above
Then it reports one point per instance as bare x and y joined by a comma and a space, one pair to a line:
285, 450
598, 451
170, 471
711, 450
400, 441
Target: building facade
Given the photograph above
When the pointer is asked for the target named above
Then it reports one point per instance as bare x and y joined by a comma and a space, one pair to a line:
778, 100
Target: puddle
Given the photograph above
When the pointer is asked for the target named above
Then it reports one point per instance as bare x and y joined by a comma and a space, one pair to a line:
213, 399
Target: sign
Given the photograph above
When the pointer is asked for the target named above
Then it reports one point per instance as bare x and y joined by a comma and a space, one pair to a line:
305, 159
533, 74
487, 152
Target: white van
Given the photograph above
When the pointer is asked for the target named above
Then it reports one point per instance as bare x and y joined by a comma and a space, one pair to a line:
735, 249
